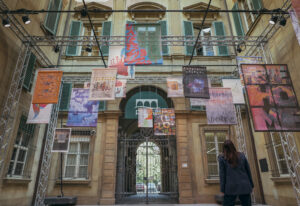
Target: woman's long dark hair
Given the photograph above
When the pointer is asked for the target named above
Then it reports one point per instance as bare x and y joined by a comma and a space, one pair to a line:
230, 153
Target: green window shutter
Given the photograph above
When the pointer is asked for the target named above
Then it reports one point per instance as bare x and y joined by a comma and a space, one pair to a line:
23, 126
29, 72
106, 31
220, 31
164, 32
65, 97
257, 4
102, 106
75, 30
52, 18
188, 32
198, 108
238, 21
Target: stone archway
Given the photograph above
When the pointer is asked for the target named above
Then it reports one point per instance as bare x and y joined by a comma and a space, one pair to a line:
129, 141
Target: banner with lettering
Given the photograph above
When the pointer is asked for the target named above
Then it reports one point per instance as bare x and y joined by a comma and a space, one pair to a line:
47, 87
103, 84
220, 108
195, 82
164, 122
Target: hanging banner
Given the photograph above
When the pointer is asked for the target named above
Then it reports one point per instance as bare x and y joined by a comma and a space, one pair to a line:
61, 140
236, 88
195, 82
39, 114
164, 122
296, 7
220, 108
87, 85
271, 96
103, 83
143, 44
82, 112
116, 60
198, 102
175, 87
47, 87
247, 60
121, 88
145, 117
296, 24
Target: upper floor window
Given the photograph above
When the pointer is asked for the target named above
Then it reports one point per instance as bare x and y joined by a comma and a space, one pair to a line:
52, 18
244, 21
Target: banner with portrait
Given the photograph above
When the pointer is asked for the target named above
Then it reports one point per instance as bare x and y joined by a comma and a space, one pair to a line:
145, 117
236, 88
103, 84
116, 60
271, 97
39, 114
82, 112
61, 140
164, 122
220, 108
47, 87
195, 82
121, 88
175, 87
143, 44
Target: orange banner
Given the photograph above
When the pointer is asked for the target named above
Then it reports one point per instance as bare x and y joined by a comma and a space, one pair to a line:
47, 87
296, 6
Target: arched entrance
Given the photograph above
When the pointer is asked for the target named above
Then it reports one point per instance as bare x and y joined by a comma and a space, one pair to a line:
147, 164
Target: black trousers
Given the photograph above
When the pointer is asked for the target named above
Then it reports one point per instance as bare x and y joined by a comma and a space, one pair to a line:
229, 200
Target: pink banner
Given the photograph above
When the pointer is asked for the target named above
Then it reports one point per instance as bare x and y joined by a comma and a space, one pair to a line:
296, 6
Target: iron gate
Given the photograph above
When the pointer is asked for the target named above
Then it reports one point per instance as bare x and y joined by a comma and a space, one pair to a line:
146, 168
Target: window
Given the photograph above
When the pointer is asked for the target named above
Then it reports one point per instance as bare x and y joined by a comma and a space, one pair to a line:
244, 21
77, 29
21, 150
191, 31
28, 79
77, 158
52, 18
279, 154
214, 142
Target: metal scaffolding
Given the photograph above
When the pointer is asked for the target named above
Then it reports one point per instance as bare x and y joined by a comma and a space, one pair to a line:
11, 103
34, 44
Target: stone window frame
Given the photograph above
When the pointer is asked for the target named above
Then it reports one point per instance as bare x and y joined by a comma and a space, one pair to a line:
212, 128
80, 132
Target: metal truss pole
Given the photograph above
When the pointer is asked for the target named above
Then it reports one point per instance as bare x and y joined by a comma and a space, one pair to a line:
240, 133
290, 149
292, 159
11, 104
46, 162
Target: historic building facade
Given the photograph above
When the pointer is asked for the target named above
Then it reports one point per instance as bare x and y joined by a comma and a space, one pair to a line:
102, 165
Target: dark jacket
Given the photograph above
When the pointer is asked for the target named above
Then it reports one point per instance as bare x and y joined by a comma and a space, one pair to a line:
235, 180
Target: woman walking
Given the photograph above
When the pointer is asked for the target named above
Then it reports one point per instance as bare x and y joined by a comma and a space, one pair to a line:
235, 176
